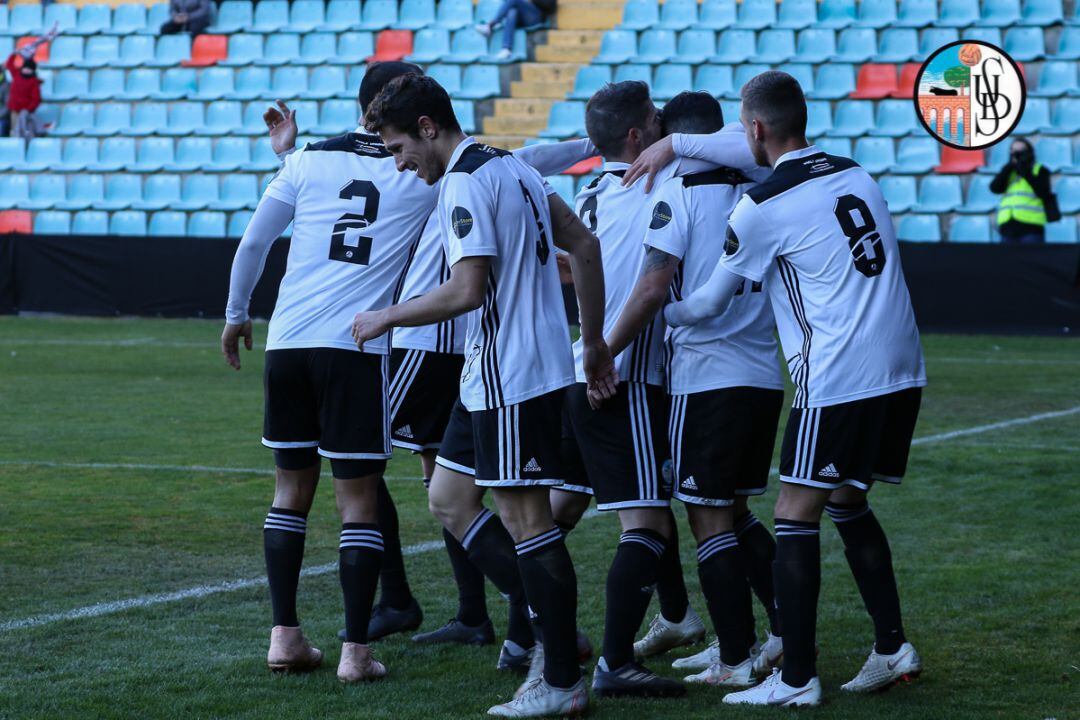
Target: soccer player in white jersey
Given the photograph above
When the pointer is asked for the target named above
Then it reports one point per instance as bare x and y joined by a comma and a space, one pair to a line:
819, 235
726, 390
498, 224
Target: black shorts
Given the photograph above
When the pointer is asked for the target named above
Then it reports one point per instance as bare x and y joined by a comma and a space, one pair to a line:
514, 446
422, 394
576, 479
722, 443
330, 399
852, 443
625, 445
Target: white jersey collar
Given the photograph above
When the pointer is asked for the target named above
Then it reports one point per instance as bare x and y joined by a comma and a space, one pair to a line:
796, 154
612, 166
456, 155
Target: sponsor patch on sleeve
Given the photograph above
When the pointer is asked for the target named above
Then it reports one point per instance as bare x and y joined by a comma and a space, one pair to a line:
462, 221
731, 242
661, 216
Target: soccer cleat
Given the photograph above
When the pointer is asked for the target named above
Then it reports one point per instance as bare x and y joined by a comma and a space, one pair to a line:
536, 670
881, 672
701, 660
774, 691
386, 620
290, 651
633, 680
541, 700
720, 675
768, 655
665, 635
358, 664
514, 658
459, 633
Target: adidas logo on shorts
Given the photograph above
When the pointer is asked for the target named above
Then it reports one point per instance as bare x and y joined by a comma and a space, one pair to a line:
829, 471
532, 466
689, 484
405, 432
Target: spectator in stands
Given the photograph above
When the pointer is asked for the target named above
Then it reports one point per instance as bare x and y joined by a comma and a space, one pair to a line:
1025, 184
5, 113
514, 14
24, 95
190, 16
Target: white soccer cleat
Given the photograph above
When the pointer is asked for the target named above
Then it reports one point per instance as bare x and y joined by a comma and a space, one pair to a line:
720, 675
541, 700
768, 655
881, 672
701, 660
536, 669
774, 691
665, 635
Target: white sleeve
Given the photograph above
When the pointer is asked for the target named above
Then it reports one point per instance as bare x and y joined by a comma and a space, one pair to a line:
669, 223
709, 300
752, 244
266, 225
468, 218
553, 158
284, 186
725, 147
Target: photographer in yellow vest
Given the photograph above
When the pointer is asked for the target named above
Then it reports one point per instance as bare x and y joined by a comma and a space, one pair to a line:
1025, 184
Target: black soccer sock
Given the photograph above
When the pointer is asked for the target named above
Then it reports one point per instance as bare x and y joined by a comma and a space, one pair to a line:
283, 545
360, 555
870, 560
630, 584
491, 550
727, 592
393, 583
472, 598
797, 578
670, 586
759, 551
551, 584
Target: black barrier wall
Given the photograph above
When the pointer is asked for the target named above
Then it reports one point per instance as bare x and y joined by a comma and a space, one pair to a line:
957, 288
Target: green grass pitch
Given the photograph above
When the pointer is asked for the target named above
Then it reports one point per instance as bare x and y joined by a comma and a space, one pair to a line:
983, 534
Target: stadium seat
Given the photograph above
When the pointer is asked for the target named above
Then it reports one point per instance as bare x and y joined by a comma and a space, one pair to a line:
16, 221
131, 223
1068, 192
1063, 231
197, 193
803, 74
70, 84
919, 228
714, 79
168, 223
229, 155
90, 222
917, 155
93, 20
253, 119
743, 73
797, 14
898, 45
85, 190
121, 192
877, 14
12, 153
979, 199
899, 191
206, 224
835, 146
244, 49
14, 190
238, 223
1055, 153
104, 84
52, 222
114, 154
449, 76
916, 13
271, 16
288, 83
341, 15
185, 118
875, 81
325, 82
262, 157
26, 19
238, 192
856, 45
65, 52
618, 46
222, 118
454, 14
466, 114
677, 15
135, 51
232, 16
378, 14
518, 52
640, 15
177, 83
775, 46
305, 15
997, 157
1066, 117
41, 154
853, 118
959, 162
815, 45
170, 50
63, 15
1036, 118
567, 118
1025, 44
635, 72
656, 47
905, 88
895, 119
486, 10
480, 82
153, 155
251, 83
734, 46
591, 78
991, 35
934, 38
958, 13
756, 14
970, 229
392, 45
126, 19
670, 80
317, 48
110, 119
818, 118
354, 48
875, 155
1057, 78
159, 192
192, 153
207, 50
416, 14
336, 117
280, 49
1000, 13
1069, 44
430, 45
214, 83
939, 194
717, 14
156, 16
695, 46
75, 118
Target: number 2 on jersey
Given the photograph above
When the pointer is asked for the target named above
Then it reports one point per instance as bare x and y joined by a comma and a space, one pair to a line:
359, 251
860, 228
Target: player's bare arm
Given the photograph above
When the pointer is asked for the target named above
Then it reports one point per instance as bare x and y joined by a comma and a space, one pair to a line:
646, 299
464, 291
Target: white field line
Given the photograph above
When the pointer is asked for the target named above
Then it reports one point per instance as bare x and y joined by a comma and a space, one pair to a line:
109, 608
209, 469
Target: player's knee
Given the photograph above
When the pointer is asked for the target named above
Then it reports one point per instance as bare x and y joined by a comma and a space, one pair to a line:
798, 502
655, 519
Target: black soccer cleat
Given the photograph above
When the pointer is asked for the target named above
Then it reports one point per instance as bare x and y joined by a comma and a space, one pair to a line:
458, 633
385, 620
633, 680
515, 662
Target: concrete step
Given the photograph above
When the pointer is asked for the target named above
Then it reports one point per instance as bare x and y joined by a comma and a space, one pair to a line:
593, 16
548, 72
509, 125
522, 107
546, 53
574, 38
552, 90
506, 142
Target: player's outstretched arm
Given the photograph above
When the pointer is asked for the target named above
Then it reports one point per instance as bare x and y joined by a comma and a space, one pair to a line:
281, 124
646, 299
266, 225
726, 147
571, 235
464, 291
553, 158
709, 300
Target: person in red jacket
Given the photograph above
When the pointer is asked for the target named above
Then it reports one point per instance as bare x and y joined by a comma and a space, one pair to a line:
24, 97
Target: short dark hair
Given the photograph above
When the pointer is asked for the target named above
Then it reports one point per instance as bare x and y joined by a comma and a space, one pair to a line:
613, 110
406, 99
693, 112
378, 75
777, 100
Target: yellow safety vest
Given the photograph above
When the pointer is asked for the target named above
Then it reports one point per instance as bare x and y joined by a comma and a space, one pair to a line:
1021, 203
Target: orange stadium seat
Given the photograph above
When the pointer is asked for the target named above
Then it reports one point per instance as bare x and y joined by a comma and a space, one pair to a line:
876, 81
41, 55
959, 161
906, 86
207, 50
15, 221
392, 45
584, 167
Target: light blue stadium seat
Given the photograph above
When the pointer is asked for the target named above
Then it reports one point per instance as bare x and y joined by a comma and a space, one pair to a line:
756, 14
244, 49
567, 118
52, 222
466, 46
958, 13
70, 84
114, 154
271, 16
1063, 231
979, 199
90, 222
1025, 44
153, 155
185, 118
106, 83
46, 190
934, 38
198, 192
640, 73
25, 20
919, 228
917, 13
1000, 13
156, 16
131, 223
93, 20
325, 82
898, 45
466, 114
895, 119
1036, 117
797, 14
121, 192
42, 153
253, 119
110, 119
917, 155
678, 15
416, 14
170, 50
835, 146
717, 15
734, 46
100, 51
744, 72
238, 192
640, 15
775, 46
815, 45
1057, 78
378, 14
289, 82
486, 10
206, 224
836, 14
214, 84
1054, 152
856, 45
430, 45
803, 74
306, 15
135, 51
280, 49
996, 157
670, 80
317, 48
899, 191
238, 222
449, 76
222, 118
695, 46
518, 52
818, 118
875, 155
876, 14
939, 194
75, 118
854, 118
1069, 43
454, 14
65, 51
177, 83
1068, 192
14, 190
341, 15
656, 47
84, 191
616, 47
168, 223
730, 109
970, 229
232, 16
991, 35
480, 82
229, 155
12, 153
251, 83
589, 79
3, 19
564, 186
336, 117
192, 153
1066, 117
307, 115
834, 81
159, 192
354, 48
63, 15
715, 80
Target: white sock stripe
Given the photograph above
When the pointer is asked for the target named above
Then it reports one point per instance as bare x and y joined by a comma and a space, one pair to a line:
704, 553
724, 537
652, 543
361, 534
359, 544
746, 523
474, 527
545, 538
272, 525
286, 520
782, 530
841, 515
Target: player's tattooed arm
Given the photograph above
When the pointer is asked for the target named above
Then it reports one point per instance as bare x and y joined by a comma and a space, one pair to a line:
646, 299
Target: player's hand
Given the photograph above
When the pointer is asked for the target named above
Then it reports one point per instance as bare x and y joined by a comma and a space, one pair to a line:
230, 342
368, 326
655, 158
281, 122
601, 377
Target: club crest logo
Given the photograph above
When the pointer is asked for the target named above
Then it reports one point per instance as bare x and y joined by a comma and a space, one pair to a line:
462, 222
969, 95
661, 216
